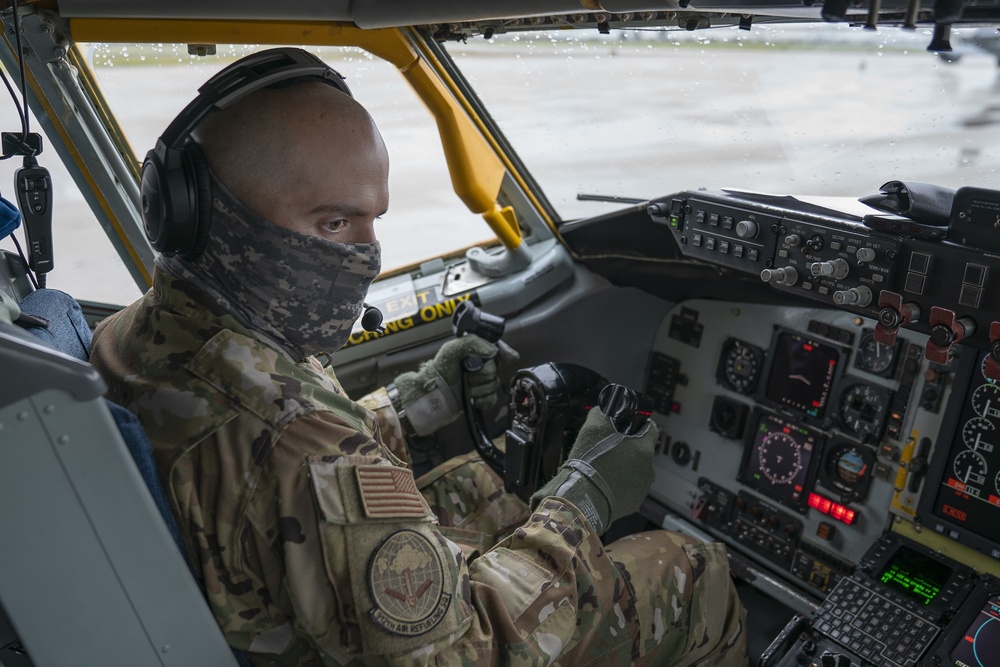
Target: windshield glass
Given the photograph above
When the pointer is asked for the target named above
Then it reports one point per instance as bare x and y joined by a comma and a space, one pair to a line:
807, 110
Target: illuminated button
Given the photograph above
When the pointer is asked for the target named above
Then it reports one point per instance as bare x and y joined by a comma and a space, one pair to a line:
825, 530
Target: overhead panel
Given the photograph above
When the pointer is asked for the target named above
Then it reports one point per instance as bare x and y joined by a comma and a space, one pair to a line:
288, 10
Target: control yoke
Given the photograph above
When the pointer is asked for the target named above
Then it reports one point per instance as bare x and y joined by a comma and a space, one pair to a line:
549, 404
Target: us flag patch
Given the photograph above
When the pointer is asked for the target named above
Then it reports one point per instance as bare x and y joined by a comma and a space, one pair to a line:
389, 493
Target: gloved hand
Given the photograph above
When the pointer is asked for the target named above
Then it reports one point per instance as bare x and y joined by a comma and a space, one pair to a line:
606, 475
432, 396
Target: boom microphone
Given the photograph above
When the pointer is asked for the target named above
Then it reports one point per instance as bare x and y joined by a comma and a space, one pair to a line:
371, 320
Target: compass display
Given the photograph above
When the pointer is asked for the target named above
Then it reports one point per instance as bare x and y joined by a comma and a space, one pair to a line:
802, 373
778, 460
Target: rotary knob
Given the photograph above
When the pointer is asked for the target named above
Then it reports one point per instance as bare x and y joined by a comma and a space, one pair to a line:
784, 276
946, 330
893, 314
747, 229
856, 296
865, 254
836, 269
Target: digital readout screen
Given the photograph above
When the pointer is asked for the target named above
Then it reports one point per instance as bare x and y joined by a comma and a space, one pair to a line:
779, 458
802, 373
980, 645
915, 575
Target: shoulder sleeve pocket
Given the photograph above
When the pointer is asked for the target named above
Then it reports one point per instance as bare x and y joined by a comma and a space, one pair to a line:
403, 579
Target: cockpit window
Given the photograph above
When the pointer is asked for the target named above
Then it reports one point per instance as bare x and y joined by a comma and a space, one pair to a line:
806, 110
147, 85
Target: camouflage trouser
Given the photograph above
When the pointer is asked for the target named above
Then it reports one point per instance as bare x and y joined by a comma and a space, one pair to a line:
667, 598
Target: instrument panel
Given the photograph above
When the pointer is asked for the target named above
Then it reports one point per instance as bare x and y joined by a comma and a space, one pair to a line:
804, 437
784, 429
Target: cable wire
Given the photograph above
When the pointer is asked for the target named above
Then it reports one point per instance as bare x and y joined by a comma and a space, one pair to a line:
20, 252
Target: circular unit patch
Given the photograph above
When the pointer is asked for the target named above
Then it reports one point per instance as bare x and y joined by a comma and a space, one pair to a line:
406, 577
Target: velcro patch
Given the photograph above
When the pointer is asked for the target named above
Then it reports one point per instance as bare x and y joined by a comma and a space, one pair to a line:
388, 492
407, 579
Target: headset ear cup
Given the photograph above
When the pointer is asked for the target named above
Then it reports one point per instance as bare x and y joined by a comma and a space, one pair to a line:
200, 179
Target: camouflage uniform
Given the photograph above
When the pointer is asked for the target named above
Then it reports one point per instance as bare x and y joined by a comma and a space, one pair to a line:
317, 547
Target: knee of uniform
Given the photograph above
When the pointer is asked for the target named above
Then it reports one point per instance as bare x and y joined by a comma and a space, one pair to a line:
685, 598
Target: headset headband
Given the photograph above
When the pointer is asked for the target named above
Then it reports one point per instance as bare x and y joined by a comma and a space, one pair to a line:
243, 77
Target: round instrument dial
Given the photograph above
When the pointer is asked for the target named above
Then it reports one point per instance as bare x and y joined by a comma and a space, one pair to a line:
982, 368
873, 356
970, 468
986, 400
780, 457
851, 466
740, 366
847, 470
978, 433
862, 410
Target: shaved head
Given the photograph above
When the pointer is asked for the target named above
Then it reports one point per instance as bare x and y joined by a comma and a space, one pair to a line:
264, 146
305, 157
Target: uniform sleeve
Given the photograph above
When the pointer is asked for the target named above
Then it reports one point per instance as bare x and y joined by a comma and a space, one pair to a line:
371, 579
388, 422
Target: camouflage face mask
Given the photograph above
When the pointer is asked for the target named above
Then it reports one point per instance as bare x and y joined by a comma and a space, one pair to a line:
302, 291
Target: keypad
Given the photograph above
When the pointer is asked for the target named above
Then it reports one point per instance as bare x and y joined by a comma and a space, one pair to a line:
873, 626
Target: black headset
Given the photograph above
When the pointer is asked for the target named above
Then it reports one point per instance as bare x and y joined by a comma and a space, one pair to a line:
176, 191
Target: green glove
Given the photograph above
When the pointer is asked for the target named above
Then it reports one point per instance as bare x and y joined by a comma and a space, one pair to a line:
432, 396
607, 474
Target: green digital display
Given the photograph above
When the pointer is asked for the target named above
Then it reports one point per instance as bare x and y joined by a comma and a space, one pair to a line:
916, 575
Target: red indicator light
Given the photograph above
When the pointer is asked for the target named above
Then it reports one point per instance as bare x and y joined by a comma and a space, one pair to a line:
819, 503
849, 516
817, 404
837, 512
807, 347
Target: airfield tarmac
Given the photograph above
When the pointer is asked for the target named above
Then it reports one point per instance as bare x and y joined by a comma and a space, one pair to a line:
651, 121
